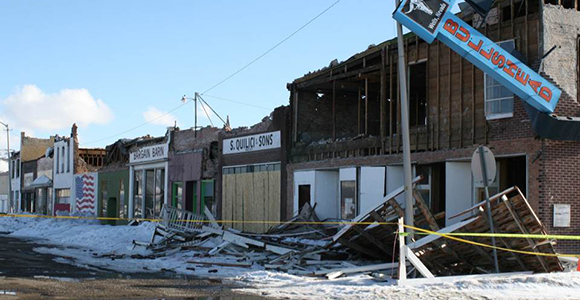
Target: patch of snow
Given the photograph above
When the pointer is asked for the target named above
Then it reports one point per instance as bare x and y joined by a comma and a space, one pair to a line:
76, 242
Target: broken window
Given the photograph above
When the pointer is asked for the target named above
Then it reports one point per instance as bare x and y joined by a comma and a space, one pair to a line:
138, 199
418, 94
303, 195
499, 101
348, 203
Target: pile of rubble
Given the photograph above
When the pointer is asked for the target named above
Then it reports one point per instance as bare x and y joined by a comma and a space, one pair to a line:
305, 246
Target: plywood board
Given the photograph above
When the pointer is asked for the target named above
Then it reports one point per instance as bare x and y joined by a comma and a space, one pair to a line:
258, 203
273, 202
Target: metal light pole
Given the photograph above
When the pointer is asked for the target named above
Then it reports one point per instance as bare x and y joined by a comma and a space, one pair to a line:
409, 214
184, 99
9, 170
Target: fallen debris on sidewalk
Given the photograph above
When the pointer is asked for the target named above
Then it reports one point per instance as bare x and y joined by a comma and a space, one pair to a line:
305, 246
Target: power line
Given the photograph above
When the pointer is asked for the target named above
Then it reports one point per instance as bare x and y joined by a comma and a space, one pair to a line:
139, 126
238, 102
224, 80
271, 49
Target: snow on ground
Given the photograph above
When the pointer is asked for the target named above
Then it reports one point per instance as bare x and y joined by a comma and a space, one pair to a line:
76, 242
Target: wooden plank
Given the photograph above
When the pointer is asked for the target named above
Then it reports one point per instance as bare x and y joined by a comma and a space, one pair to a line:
460, 102
334, 110
383, 103
417, 263
238, 202
274, 199
242, 184
522, 227
390, 100
438, 129
221, 264
361, 249
375, 241
402, 252
505, 243
234, 238
366, 107
431, 238
450, 99
259, 200
335, 273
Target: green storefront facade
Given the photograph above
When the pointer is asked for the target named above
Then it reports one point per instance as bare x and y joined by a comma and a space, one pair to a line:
113, 196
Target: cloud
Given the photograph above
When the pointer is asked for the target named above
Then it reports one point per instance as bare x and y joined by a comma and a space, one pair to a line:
29, 108
158, 117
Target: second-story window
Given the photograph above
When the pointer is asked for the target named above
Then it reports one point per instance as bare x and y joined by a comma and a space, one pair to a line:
68, 160
57, 159
62, 160
499, 101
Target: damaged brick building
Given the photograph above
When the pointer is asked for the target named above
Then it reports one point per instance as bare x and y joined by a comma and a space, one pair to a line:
345, 131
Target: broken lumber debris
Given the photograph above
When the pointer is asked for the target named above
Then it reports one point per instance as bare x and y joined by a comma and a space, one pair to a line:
368, 245
511, 214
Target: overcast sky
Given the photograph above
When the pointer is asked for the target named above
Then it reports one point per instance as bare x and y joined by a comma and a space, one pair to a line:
112, 65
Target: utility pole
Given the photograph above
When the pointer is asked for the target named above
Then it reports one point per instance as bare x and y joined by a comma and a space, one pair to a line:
9, 169
409, 213
195, 113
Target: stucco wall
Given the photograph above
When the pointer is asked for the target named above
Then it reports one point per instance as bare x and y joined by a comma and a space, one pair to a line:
562, 28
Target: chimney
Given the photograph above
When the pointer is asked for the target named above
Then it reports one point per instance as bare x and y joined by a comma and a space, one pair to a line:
75, 142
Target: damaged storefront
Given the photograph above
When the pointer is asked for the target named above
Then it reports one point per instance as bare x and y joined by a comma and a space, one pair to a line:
192, 169
346, 138
148, 164
252, 164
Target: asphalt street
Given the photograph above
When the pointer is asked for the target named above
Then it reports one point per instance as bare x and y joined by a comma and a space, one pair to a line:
25, 274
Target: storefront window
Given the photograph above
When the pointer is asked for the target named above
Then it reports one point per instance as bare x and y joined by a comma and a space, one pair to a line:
149, 193
348, 199
104, 198
208, 196
63, 196
159, 191
138, 199
177, 195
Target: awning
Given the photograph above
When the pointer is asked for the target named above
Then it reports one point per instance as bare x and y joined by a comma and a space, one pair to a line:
42, 181
553, 127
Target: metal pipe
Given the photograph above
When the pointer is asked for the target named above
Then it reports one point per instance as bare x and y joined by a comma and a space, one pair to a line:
10, 204
409, 211
485, 183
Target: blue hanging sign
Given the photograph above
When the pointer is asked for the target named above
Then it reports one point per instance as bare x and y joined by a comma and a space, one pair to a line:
422, 17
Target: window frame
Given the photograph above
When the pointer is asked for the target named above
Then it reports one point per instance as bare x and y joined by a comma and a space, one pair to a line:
502, 115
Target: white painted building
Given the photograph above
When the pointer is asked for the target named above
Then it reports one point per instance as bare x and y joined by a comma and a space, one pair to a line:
63, 173
345, 192
14, 174
148, 178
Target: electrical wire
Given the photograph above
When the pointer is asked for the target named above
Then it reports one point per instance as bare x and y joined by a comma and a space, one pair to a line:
271, 49
215, 112
205, 111
138, 126
224, 80
238, 102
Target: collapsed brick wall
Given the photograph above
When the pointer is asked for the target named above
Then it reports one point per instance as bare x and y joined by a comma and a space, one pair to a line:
315, 116
561, 27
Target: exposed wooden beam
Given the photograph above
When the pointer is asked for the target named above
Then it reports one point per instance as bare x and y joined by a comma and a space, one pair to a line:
524, 230
334, 110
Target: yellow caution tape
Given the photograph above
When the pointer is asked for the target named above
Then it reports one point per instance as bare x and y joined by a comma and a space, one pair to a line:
451, 236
